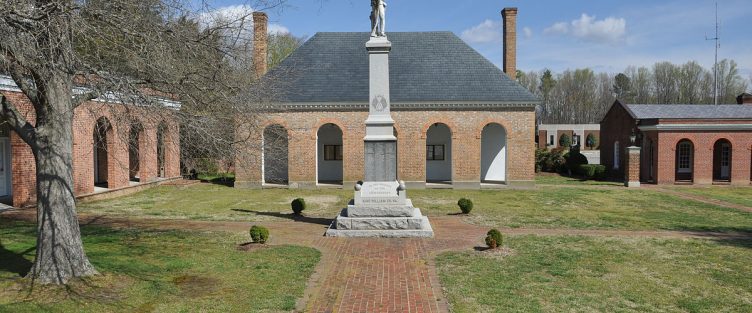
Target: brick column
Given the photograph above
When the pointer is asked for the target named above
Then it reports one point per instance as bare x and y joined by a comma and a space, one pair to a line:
632, 168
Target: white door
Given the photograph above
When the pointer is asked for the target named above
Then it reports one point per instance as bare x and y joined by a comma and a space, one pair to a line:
4, 167
725, 160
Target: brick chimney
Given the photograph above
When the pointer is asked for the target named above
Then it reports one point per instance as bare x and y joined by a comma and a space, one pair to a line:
744, 98
509, 17
260, 43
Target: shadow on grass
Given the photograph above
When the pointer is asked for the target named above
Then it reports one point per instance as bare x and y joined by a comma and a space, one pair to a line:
224, 181
730, 236
290, 216
15, 262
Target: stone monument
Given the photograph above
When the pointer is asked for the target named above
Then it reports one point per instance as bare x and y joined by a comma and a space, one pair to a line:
380, 207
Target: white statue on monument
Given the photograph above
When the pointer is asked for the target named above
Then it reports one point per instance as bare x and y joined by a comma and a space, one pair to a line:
378, 18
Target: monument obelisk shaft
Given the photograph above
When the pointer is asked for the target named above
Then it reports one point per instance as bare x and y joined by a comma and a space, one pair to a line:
380, 207
380, 143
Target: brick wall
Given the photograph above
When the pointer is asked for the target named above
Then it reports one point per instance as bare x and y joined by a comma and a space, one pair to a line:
411, 127
703, 142
542, 139
616, 126
85, 117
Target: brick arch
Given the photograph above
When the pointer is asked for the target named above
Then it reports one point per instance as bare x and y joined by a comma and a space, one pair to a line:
398, 129
136, 150
690, 175
479, 129
453, 129
719, 138
277, 121
694, 146
324, 121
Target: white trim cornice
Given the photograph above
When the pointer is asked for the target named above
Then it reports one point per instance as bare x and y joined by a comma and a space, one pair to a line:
708, 127
399, 106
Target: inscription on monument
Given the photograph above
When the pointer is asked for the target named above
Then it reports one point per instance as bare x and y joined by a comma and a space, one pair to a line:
378, 189
379, 103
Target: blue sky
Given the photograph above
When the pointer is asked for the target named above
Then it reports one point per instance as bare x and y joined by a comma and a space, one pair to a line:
605, 35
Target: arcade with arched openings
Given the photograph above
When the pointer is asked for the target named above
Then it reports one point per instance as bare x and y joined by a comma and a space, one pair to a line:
493, 154
275, 155
329, 155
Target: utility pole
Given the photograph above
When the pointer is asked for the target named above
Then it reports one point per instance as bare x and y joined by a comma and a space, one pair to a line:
715, 64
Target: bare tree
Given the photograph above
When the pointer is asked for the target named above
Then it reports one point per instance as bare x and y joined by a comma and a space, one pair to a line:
730, 83
130, 50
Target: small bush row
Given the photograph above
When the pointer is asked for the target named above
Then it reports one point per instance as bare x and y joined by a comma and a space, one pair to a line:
592, 171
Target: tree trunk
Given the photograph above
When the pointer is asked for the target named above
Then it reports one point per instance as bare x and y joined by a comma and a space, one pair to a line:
60, 253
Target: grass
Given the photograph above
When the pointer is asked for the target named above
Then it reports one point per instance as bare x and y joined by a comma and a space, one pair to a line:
556, 179
158, 271
583, 207
567, 274
737, 195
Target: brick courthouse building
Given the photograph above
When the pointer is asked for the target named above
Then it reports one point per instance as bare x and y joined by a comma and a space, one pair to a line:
459, 120
114, 147
685, 144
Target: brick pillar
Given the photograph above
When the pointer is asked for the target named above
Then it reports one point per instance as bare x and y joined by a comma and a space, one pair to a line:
632, 168
260, 43
249, 157
509, 17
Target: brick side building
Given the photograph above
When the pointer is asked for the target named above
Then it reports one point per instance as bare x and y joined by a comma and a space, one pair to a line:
459, 120
692, 144
108, 152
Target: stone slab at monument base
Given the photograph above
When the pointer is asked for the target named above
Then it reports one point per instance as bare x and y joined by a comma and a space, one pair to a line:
380, 209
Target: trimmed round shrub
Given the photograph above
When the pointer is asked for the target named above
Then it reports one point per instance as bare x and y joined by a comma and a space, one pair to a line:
298, 205
591, 141
565, 141
494, 239
259, 234
574, 160
466, 205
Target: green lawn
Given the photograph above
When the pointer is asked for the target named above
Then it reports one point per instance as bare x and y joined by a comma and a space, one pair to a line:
556, 179
579, 274
737, 195
159, 271
584, 207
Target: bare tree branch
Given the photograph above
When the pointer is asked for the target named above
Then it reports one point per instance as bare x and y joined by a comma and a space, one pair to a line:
17, 121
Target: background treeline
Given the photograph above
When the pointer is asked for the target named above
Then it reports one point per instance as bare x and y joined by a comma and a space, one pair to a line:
583, 96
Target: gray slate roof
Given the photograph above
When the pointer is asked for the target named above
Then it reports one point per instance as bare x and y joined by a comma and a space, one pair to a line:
690, 111
424, 67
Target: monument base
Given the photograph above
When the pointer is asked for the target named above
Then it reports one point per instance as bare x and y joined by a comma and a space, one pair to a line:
380, 209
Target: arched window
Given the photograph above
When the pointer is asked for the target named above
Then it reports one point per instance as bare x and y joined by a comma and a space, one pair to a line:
684, 160
722, 160
617, 154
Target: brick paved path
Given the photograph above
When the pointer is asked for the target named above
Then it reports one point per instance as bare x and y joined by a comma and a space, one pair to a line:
704, 199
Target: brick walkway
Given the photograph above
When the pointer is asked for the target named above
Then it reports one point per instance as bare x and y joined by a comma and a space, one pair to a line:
704, 199
373, 275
